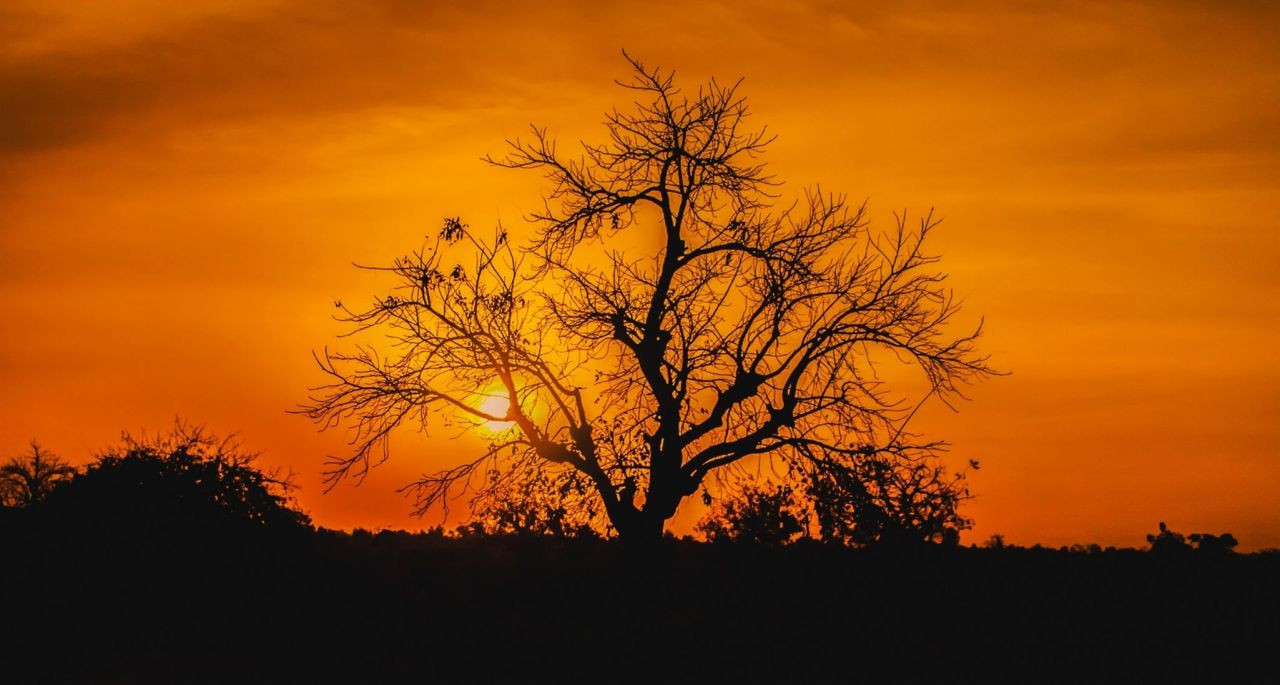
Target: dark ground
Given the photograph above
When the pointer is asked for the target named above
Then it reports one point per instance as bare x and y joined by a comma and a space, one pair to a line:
237, 607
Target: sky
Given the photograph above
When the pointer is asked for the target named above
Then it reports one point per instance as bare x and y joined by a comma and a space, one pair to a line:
185, 186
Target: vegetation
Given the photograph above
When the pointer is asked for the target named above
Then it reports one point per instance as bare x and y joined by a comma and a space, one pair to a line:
535, 505
1168, 542
184, 483
752, 331
877, 500
761, 515
874, 501
395, 607
175, 559
26, 480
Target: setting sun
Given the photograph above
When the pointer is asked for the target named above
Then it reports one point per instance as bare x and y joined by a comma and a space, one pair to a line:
496, 405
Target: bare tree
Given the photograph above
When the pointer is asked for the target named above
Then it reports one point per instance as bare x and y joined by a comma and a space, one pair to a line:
745, 331
28, 479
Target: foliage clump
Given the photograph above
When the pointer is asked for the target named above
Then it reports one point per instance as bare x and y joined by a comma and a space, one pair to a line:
879, 500
185, 479
760, 514
538, 505
873, 501
1166, 541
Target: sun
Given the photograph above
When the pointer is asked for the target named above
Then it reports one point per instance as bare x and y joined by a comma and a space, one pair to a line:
496, 405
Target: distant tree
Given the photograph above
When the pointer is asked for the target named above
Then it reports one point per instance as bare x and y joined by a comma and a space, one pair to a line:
762, 514
877, 500
26, 480
1168, 542
1209, 543
666, 321
186, 478
536, 505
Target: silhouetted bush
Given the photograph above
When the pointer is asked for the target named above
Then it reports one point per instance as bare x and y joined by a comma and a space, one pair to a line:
537, 504
888, 501
877, 500
187, 482
766, 515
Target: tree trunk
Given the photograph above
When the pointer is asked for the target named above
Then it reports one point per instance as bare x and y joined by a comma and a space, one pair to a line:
639, 527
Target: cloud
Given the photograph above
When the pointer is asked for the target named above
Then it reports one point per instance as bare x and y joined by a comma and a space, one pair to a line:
1128, 72
304, 59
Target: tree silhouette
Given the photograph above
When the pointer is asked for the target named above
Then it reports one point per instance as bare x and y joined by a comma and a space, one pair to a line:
535, 505
888, 500
186, 480
28, 479
1209, 543
1169, 542
869, 502
763, 515
666, 320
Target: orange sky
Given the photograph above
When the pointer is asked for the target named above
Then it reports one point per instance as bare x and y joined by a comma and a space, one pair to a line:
183, 189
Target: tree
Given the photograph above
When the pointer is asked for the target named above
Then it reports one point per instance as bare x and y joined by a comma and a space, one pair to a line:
28, 479
877, 500
763, 515
1169, 542
1209, 543
873, 501
185, 480
534, 505
744, 331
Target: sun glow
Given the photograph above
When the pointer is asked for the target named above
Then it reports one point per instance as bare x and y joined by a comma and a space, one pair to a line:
496, 405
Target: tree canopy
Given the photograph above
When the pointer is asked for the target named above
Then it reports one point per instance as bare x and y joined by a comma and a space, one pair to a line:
671, 316
183, 480
27, 479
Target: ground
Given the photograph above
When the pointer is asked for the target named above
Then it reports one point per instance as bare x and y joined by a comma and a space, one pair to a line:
332, 607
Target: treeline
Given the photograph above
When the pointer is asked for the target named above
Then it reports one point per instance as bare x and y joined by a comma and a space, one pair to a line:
174, 559
190, 482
